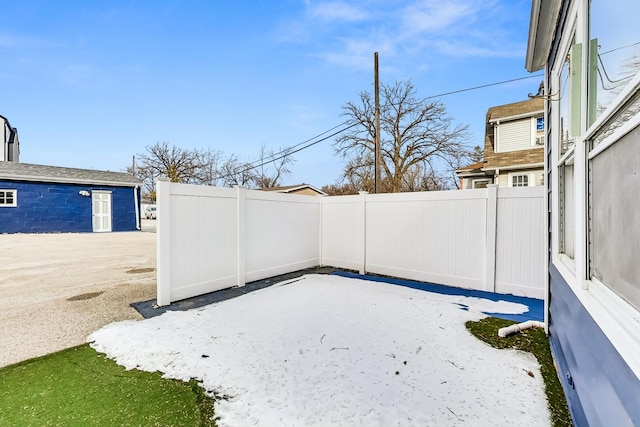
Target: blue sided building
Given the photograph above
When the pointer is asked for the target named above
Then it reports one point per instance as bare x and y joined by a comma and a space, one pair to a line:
49, 199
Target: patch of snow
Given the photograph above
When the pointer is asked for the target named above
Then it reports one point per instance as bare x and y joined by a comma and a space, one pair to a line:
329, 350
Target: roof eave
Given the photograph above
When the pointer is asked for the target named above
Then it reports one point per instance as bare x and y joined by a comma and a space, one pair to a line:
63, 180
544, 16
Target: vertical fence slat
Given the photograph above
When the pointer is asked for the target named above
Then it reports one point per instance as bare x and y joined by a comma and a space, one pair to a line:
492, 224
362, 235
241, 223
163, 246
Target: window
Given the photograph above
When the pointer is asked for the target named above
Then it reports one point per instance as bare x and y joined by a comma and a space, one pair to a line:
567, 78
567, 203
521, 180
538, 132
8, 198
481, 183
613, 186
614, 52
569, 97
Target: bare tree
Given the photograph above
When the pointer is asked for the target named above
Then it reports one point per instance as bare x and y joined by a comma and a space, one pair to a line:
210, 172
340, 189
161, 159
177, 164
413, 132
236, 172
359, 172
476, 155
272, 166
209, 167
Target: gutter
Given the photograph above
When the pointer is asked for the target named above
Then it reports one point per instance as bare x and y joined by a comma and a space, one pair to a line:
515, 167
63, 180
542, 25
499, 120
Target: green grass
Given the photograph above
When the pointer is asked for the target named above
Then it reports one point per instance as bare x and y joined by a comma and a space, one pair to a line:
535, 341
80, 387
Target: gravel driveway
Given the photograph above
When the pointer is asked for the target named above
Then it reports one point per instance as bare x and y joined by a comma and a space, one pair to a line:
56, 289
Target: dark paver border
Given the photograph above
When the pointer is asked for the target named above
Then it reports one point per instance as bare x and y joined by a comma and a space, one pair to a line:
150, 309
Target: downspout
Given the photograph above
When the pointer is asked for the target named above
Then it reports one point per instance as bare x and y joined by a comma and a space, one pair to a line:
137, 206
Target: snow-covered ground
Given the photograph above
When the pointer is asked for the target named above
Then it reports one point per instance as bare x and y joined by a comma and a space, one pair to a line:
328, 350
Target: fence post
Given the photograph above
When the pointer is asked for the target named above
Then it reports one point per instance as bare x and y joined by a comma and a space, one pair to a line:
363, 231
320, 219
492, 222
241, 235
163, 241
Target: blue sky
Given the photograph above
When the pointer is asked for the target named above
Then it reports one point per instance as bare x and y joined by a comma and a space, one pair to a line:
90, 84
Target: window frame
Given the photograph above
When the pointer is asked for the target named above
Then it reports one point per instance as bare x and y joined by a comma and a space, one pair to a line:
526, 175
474, 181
560, 158
4, 198
535, 133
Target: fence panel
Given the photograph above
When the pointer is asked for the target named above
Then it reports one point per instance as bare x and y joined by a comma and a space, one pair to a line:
438, 237
197, 242
282, 233
520, 246
343, 232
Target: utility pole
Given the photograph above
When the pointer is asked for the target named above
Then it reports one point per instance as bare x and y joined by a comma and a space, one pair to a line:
377, 119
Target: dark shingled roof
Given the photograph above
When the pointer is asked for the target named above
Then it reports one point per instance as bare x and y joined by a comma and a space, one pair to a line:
474, 166
41, 173
516, 108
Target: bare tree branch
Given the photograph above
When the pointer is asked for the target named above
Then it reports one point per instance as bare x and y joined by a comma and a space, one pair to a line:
415, 135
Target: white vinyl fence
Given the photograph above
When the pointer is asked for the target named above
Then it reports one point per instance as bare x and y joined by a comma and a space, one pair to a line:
213, 238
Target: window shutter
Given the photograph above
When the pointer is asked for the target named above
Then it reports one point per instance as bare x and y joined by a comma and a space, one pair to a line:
514, 135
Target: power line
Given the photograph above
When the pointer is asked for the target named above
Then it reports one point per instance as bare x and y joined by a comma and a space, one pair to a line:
288, 151
619, 48
483, 86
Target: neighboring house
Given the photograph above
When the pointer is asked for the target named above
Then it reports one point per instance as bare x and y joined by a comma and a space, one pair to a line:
589, 52
9, 140
304, 189
513, 148
473, 176
48, 199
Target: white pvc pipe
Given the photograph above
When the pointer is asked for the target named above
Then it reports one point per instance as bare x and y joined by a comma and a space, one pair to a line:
504, 332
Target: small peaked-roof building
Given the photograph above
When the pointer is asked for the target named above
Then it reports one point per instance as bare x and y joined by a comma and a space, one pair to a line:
304, 189
51, 199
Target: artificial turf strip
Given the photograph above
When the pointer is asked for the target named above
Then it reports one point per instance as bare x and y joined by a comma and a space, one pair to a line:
80, 387
535, 341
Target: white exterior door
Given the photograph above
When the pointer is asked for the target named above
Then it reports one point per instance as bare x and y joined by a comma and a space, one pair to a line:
101, 210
